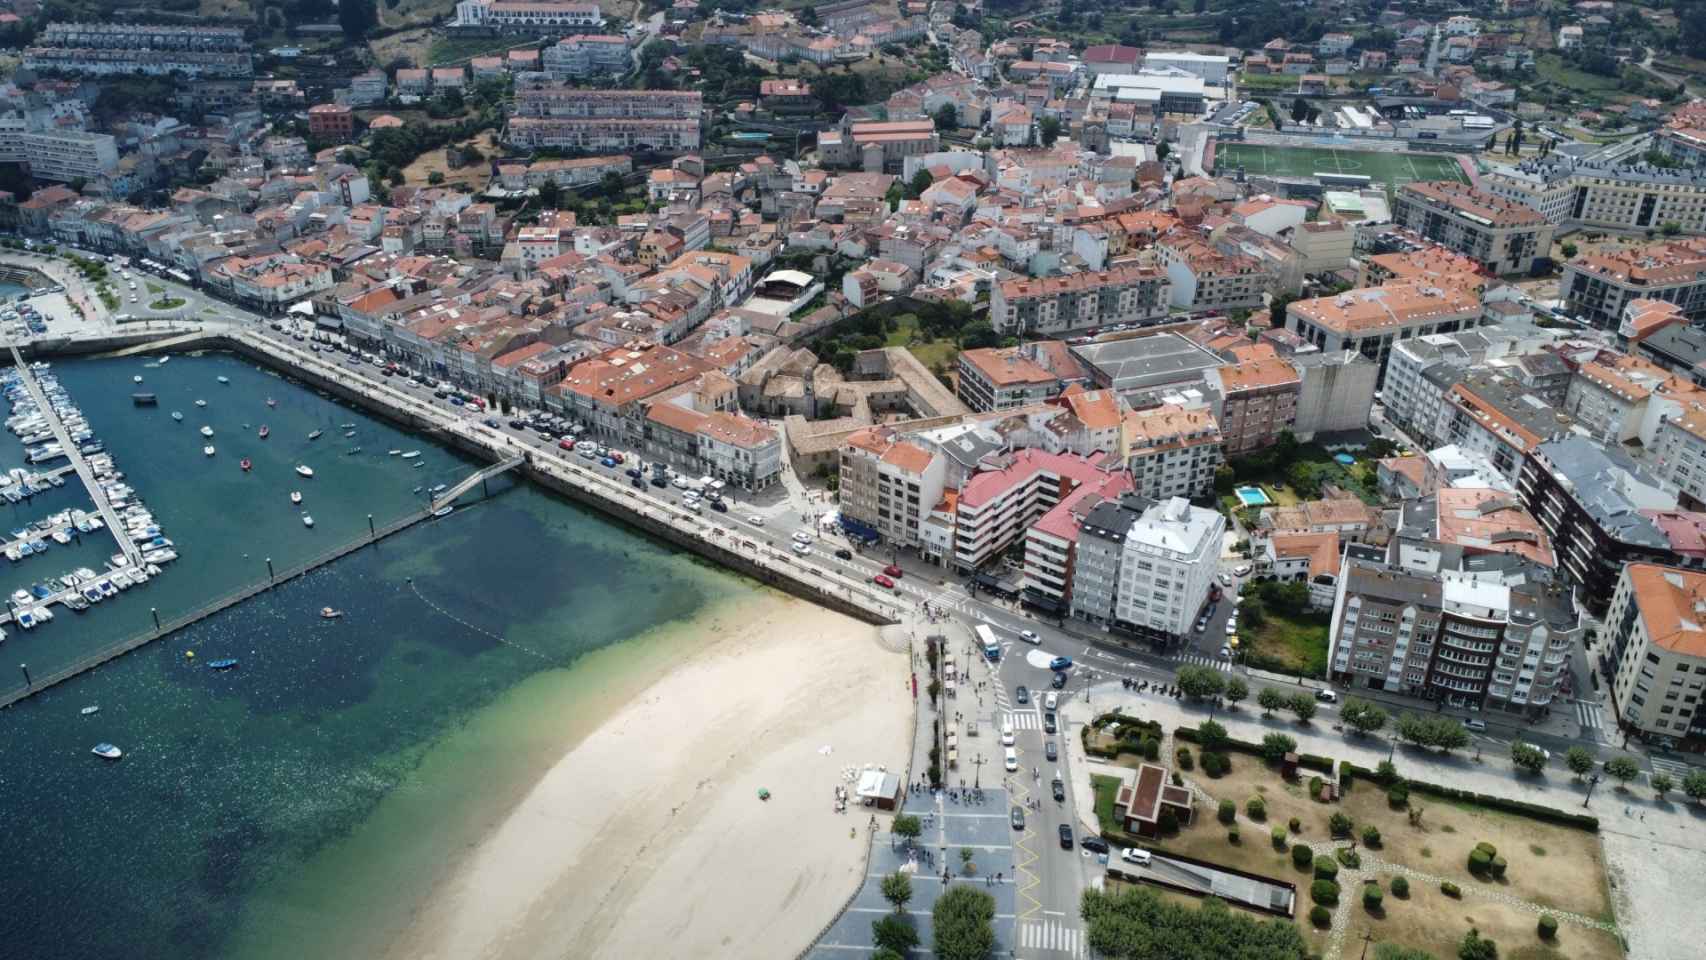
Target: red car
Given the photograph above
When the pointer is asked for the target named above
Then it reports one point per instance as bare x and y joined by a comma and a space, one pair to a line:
892, 571
616, 456
883, 581
565, 444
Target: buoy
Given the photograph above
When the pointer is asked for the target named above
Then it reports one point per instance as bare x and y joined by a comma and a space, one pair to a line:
190, 654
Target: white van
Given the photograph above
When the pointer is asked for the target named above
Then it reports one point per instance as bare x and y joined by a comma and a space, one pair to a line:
1007, 732
1012, 759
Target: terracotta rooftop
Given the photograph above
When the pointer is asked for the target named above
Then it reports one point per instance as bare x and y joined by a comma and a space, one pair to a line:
1488, 521
1672, 602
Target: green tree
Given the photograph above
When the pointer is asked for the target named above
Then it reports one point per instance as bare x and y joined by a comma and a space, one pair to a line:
1198, 682
1299, 110
1236, 690
435, 178
1276, 745
1694, 785
1163, 150
1270, 700
919, 183
357, 17
1212, 736
885, 953
1623, 768
808, 15
550, 195
1568, 249
1136, 923
1049, 130
894, 932
1528, 757
947, 117
963, 924
1662, 784
978, 335
1362, 715
1477, 947
1579, 760
897, 889
1301, 704
1449, 734
1392, 951
1670, 228
906, 826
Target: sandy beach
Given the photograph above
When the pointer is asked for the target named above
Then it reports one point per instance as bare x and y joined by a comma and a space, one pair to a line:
647, 838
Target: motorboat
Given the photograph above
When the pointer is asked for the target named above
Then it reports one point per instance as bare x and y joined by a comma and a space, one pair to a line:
352, 451
393, 452
90, 710
264, 432
164, 359
411, 454
201, 403
307, 520
444, 511
271, 402
245, 464
346, 426
144, 399
296, 496
303, 470
136, 379
224, 664
316, 434
207, 450
177, 416
327, 613
206, 431
223, 379
107, 751
349, 433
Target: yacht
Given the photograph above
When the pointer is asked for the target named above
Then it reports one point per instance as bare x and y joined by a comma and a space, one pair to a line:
444, 511
207, 431
107, 751
225, 664
86, 711
164, 360
303, 470
271, 402
393, 452
411, 454
307, 520
177, 416
207, 450
223, 379
296, 496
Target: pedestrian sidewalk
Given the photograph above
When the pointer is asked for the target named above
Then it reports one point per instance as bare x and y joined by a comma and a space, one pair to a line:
1564, 723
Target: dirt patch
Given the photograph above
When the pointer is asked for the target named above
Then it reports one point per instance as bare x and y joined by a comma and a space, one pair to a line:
474, 175
1431, 921
411, 45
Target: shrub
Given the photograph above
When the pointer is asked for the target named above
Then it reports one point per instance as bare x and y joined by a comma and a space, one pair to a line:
1228, 811
1498, 866
1340, 825
1386, 774
1301, 856
1398, 797
1548, 926
1400, 887
1232, 836
1371, 896
1324, 892
1151, 749
1321, 916
1371, 836
1279, 837
1316, 785
1479, 861
1215, 764
1294, 825
1326, 867
1276, 745
1348, 857
1450, 889
1178, 781
1168, 822
1255, 809
1184, 758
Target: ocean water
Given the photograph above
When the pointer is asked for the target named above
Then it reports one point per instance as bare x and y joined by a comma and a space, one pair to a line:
311, 795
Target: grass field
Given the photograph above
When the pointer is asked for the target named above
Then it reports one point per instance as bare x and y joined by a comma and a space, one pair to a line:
1387, 169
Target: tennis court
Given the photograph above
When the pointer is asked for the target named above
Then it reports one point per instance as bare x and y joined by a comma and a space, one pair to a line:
1387, 169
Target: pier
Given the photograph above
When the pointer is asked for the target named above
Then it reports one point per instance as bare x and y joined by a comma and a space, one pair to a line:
449, 496
109, 516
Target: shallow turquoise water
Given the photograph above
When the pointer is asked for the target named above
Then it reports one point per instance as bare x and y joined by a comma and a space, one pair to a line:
234, 783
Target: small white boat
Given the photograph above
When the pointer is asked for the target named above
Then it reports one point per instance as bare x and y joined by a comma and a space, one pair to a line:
136, 379
107, 751
86, 711
393, 453
444, 511
201, 403
315, 435
307, 520
411, 454
177, 416
208, 450
207, 431
327, 613
303, 470
165, 359
296, 496
223, 379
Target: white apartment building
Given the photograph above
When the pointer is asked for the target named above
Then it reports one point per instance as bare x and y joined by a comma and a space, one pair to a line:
70, 155
1129, 295
586, 55
1609, 194
1406, 394
1678, 453
1656, 636
1167, 565
531, 16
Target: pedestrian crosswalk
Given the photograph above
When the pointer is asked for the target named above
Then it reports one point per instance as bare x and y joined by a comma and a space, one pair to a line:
1589, 715
1213, 663
1675, 768
1057, 936
1024, 720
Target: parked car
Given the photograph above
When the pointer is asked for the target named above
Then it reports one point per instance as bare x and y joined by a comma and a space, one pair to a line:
1242, 570
1012, 759
800, 536
719, 506
802, 549
1048, 723
1479, 726
1136, 855
1202, 624
1059, 788
883, 581
893, 571
1326, 696
1225, 653
755, 520
1050, 750
1096, 844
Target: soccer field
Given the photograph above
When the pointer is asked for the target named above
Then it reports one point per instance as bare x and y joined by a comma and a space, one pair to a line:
1387, 169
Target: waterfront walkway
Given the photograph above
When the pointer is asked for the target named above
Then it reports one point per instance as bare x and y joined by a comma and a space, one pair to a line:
449, 496
115, 526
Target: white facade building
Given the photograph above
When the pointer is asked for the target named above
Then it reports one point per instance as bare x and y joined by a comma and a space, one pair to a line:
1167, 566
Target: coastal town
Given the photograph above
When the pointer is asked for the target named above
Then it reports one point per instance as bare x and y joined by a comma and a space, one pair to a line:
1265, 443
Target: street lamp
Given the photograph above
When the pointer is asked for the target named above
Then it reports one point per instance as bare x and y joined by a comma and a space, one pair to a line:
1593, 781
977, 778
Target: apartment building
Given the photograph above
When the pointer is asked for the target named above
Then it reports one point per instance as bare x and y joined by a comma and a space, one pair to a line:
68, 155
1258, 401
154, 63
529, 16
611, 392
1404, 392
1677, 454
1202, 278
331, 121
1655, 633
1051, 543
1505, 236
1605, 194
1097, 558
1422, 622
368, 88
1004, 378
1337, 392
1166, 568
567, 173
600, 135
1124, 295
1172, 450
143, 36
877, 146
718, 444
1593, 503
889, 485
1490, 413
1609, 395
997, 505
587, 55
1597, 287
1370, 320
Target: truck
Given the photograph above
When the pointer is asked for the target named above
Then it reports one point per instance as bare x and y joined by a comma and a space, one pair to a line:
986, 636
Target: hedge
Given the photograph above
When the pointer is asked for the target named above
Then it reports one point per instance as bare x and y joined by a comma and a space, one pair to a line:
1347, 770
1132, 737
1450, 889
1314, 761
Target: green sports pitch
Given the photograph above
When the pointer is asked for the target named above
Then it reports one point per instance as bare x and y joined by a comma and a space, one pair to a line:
1388, 169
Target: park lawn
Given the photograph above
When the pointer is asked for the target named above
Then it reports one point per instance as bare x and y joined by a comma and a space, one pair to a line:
1107, 788
1431, 921
936, 355
167, 303
1550, 864
1288, 645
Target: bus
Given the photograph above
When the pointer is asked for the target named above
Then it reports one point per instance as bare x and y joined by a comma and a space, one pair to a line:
986, 636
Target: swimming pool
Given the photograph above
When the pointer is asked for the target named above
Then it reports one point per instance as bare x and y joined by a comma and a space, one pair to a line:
1252, 496
1344, 459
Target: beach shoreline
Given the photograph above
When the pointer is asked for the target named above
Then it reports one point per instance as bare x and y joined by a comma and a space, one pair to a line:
647, 837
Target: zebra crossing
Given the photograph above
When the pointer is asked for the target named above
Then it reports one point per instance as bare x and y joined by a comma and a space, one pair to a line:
1024, 720
1213, 663
1590, 715
1675, 768
1055, 936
